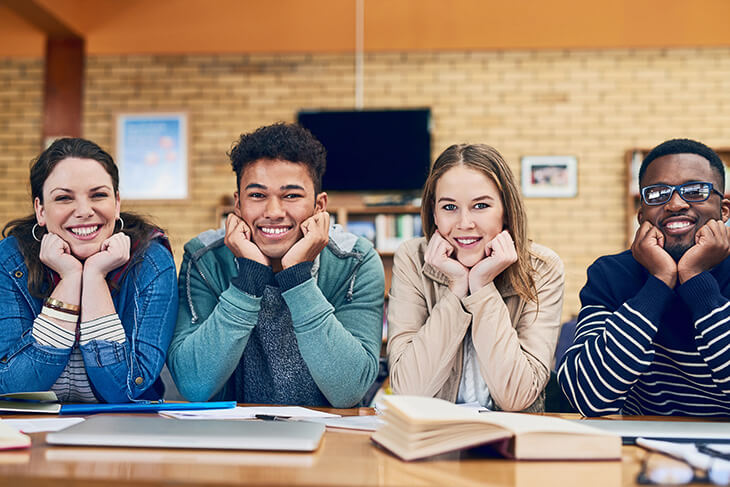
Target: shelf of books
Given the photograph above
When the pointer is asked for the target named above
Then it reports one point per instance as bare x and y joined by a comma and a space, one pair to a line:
385, 227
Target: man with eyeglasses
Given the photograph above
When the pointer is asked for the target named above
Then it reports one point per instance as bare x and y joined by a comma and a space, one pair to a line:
653, 333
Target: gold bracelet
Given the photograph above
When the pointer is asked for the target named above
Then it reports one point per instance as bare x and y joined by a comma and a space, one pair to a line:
60, 305
62, 310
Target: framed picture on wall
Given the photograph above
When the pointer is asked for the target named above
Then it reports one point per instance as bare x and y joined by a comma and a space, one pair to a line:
549, 176
152, 155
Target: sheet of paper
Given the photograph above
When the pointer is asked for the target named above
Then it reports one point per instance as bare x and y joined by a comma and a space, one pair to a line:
41, 425
362, 423
473, 405
249, 412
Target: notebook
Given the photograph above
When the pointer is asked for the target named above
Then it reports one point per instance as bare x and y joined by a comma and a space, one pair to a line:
158, 432
687, 431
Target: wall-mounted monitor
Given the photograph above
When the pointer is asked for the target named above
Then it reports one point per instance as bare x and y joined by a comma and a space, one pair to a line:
373, 150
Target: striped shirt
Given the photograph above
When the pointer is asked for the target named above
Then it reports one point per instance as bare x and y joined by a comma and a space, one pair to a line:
643, 348
73, 384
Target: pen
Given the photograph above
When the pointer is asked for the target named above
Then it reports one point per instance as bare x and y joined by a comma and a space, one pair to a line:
271, 417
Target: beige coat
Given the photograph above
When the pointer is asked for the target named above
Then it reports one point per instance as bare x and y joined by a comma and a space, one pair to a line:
514, 339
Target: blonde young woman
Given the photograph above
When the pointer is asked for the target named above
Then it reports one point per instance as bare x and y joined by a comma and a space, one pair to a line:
474, 309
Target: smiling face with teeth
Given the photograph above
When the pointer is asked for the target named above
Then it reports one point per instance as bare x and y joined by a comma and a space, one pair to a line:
79, 205
677, 219
468, 212
275, 197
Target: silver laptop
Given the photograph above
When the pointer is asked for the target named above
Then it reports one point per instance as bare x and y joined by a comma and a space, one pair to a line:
689, 431
157, 432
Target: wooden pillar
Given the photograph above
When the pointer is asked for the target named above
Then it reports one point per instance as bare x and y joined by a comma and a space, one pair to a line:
64, 82
65, 51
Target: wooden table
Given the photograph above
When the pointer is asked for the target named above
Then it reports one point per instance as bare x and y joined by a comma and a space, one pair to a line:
345, 458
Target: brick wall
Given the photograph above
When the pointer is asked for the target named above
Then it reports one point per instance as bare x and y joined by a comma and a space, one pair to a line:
593, 104
21, 104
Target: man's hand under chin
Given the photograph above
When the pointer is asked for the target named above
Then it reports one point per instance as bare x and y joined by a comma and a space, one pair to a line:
238, 240
316, 235
712, 246
648, 250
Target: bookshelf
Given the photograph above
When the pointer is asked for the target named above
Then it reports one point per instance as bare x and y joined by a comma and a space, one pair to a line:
384, 225
633, 160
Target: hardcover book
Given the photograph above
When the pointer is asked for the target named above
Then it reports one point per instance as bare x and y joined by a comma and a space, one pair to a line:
417, 427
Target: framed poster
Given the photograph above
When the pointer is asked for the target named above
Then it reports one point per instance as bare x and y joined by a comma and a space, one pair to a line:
549, 176
152, 155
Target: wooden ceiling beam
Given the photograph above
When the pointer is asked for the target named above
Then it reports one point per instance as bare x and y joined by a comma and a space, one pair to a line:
42, 19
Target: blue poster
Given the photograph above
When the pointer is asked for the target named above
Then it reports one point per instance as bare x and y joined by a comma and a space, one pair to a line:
152, 156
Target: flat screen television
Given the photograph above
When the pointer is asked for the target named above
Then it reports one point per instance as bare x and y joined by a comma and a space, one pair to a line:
373, 150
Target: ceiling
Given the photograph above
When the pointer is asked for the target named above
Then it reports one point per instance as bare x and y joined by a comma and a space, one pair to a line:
202, 26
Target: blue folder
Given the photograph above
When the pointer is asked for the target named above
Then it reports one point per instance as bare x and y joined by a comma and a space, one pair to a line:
147, 407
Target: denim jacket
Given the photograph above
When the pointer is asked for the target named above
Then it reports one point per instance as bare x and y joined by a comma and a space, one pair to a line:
146, 303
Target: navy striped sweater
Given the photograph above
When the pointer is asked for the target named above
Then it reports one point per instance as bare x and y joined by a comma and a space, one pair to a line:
643, 348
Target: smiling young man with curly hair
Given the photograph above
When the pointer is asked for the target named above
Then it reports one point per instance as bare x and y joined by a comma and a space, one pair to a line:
278, 307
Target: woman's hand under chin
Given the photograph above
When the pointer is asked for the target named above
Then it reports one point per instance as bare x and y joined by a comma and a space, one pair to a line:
500, 254
113, 253
56, 253
438, 254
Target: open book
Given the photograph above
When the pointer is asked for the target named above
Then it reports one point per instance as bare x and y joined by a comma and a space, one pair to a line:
11, 438
417, 427
30, 402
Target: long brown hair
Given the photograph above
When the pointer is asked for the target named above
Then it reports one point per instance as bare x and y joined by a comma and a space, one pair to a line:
487, 160
138, 228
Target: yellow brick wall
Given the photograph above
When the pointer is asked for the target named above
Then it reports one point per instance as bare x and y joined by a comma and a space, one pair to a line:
21, 104
593, 104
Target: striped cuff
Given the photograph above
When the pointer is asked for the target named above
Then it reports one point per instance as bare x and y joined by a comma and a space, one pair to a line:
108, 328
49, 334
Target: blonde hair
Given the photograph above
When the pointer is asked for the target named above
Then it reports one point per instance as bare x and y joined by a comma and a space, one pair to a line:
486, 159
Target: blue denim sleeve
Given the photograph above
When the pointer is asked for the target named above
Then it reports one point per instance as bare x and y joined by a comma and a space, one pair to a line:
25, 365
147, 307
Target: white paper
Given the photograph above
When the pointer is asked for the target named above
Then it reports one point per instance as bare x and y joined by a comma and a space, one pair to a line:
473, 405
240, 412
362, 423
41, 425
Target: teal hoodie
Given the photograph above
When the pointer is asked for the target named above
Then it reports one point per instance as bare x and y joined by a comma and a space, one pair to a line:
337, 316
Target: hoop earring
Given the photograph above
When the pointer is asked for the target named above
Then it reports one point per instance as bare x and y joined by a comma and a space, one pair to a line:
121, 223
32, 231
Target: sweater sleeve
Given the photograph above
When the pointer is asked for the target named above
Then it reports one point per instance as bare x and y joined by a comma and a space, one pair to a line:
208, 342
710, 314
613, 343
422, 345
515, 357
341, 345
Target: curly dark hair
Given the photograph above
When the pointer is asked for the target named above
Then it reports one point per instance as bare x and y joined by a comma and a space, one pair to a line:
685, 146
139, 228
285, 141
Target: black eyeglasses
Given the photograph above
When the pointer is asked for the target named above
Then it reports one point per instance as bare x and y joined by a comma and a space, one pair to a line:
694, 192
